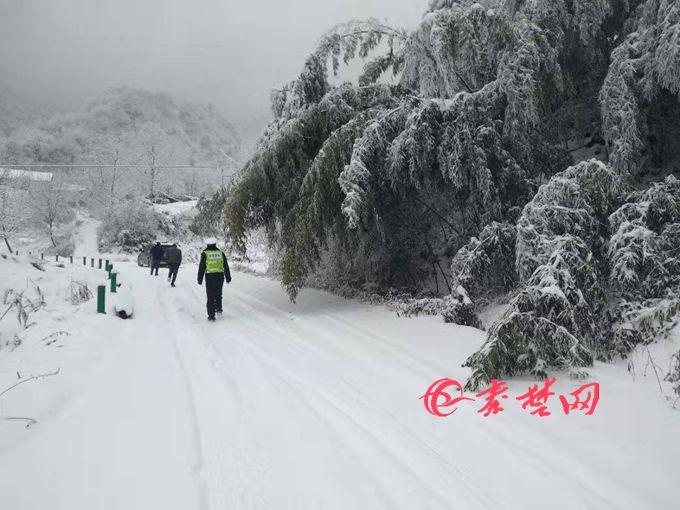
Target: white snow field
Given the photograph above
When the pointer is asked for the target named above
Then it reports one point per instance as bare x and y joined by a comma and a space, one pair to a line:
313, 405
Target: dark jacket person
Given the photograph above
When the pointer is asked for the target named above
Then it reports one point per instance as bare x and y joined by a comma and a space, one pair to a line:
155, 254
214, 267
173, 255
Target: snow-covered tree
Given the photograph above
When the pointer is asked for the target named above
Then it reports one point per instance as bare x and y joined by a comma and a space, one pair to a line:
453, 181
558, 319
640, 95
486, 265
49, 208
645, 263
130, 225
13, 211
209, 220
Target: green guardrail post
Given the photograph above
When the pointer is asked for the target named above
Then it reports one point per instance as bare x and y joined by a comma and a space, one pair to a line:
56, 258
106, 265
113, 282
101, 299
71, 259
92, 262
17, 253
84, 261
42, 256
100, 263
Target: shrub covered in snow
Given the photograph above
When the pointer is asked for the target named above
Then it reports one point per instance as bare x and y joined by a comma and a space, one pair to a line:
22, 303
209, 220
644, 244
579, 236
129, 226
456, 308
559, 318
486, 265
673, 375
644, 259
78, 292
639, 96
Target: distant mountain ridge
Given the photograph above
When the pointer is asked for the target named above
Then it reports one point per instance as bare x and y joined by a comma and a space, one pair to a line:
14, 114
122, 126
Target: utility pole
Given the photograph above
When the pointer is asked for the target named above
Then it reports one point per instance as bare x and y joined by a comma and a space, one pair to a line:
229, 160
153, 171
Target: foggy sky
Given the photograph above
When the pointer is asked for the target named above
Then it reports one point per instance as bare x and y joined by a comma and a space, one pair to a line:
227, 52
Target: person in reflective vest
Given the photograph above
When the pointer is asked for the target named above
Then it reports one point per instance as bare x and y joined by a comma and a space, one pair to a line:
214, 267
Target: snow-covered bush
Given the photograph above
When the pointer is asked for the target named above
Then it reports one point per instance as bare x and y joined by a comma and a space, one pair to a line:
65, 243
643, 247
209, 220
673, 375
639, 97
486, 265
129, 226
559, 318
576, 202
23, 303
645, 263
459, 309
456, 308
78, 292
643, 321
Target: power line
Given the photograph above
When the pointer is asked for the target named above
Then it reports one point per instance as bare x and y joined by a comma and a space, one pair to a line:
170, 167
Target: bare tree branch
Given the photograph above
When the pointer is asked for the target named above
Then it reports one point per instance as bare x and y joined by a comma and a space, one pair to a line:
32, 378
29, 421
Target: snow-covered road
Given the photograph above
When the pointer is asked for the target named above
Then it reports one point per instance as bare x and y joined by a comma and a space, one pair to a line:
316, 405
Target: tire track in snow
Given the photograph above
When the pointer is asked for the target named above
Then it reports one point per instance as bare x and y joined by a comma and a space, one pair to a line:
266, 340
534, 460
237, 464
376, 340
347, 409
199, 466
153, 315
262, 372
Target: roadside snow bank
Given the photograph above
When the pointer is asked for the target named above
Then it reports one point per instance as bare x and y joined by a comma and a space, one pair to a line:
43, 332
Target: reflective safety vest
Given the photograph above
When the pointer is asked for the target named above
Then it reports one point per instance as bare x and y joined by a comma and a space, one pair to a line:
214, 262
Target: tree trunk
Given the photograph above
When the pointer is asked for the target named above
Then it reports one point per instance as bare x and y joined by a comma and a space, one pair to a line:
51, 226
113, 187
4, 235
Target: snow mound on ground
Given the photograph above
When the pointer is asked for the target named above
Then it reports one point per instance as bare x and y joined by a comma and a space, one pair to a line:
176, 208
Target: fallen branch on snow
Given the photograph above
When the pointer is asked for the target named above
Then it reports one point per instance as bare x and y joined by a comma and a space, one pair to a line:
32, 378
29, 421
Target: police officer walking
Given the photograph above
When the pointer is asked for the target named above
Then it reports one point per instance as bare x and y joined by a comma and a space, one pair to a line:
215, 268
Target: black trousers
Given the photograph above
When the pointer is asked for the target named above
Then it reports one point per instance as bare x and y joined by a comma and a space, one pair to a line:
155, 264
213, 290
172, 272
